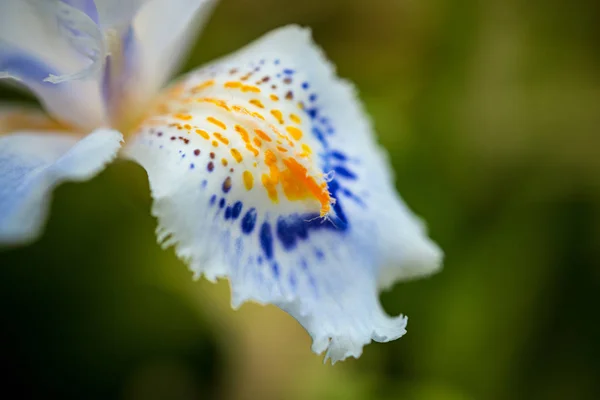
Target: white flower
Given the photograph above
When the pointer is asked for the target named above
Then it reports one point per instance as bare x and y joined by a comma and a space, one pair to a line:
263, 166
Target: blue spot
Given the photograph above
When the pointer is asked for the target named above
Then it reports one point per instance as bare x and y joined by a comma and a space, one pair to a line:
278, 75
338, 156
275, 268
213, 198
236, 210
228, 213
293, 282
317, 132
290, 229
344, 173
192, 166
249, 221
320, 255
277, 62
266, 240
312, 97
312, 112
161, 146
305, 85
304, 265
204, 182
221, 203
259, 260
288, 71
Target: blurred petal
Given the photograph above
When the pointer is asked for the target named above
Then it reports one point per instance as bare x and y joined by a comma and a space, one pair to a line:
163, 31
265, 170
33, 163
56, 51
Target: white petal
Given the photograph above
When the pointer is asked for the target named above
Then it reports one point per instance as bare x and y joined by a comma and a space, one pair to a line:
265, 170
33, 163
57, 52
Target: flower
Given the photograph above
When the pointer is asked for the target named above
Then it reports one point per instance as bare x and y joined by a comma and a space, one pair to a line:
263, 166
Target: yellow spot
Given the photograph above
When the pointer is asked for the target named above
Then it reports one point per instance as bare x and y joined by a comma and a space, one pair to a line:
257, 103
243, 133
306, 149
220, 138
270, 186
187, 126
252, 149
224, 162
202, 133
217, 102
301, 105
215, 143
274, 97
295, 118
282, 149
257, 141
203, 86
248, 179
232, 84
262, 135
277, 114
183, 117
250, 88
216, 122
295, 132
257, 115
236, 155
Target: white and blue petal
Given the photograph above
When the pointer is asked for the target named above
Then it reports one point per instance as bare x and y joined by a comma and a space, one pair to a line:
57, 51
35, 158
264, 169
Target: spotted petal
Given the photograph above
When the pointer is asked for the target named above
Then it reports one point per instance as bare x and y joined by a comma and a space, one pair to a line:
34, 159
264, 169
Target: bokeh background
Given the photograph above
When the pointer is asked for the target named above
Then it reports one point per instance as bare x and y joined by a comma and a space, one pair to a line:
490, 110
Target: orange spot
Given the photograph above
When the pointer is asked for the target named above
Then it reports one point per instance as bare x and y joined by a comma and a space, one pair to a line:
248, 179
257, 103
203, 86
262, 135
257, 141
243, 133
252, 149
216, 122
183, 117
220, 138
187, 126
295, 132
297, 185
236, 155
277, 114
202, 133
282, 149
274, 97
295, 118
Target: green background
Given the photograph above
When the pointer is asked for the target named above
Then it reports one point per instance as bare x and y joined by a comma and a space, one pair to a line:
490, 110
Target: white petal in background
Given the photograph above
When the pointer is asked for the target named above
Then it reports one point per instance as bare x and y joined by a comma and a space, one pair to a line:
57, 52
209, 167
33, 163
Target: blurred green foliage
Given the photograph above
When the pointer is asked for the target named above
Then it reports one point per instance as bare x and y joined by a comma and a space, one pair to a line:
490, 111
